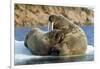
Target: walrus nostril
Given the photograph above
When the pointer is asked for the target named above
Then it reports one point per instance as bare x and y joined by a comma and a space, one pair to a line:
53, 51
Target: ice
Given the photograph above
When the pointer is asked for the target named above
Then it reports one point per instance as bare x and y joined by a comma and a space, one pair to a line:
22, 54
90, 50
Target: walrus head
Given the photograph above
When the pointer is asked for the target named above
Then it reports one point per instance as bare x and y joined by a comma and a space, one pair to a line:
60, 22
57, 21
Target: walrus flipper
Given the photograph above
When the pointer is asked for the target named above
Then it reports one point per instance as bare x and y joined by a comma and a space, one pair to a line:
27, 36
25, 42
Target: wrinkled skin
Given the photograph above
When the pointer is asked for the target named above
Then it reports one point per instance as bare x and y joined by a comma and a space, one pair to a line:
66, 39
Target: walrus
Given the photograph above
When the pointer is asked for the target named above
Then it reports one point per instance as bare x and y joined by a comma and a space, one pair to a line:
37, 42
63, 39
70, 38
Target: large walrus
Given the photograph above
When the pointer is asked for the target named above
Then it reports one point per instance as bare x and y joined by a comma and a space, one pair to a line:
65, 39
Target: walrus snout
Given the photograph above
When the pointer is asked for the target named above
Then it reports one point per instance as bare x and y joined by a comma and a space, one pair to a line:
52, 18
51, 23
53, 51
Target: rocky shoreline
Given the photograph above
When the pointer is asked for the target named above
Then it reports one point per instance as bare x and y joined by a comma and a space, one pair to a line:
27, 15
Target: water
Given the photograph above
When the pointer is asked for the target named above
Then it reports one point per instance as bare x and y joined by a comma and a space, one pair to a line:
24, 57
89, 30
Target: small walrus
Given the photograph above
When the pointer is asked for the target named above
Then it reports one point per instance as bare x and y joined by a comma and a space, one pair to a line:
65, 39
37, 41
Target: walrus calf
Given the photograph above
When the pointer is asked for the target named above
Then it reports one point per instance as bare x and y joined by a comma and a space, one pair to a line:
64, 39
37, 41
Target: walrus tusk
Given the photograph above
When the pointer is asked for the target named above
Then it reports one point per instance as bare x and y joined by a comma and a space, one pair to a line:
50, 26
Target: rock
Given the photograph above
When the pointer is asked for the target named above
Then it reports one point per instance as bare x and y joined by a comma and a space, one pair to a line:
27, 15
